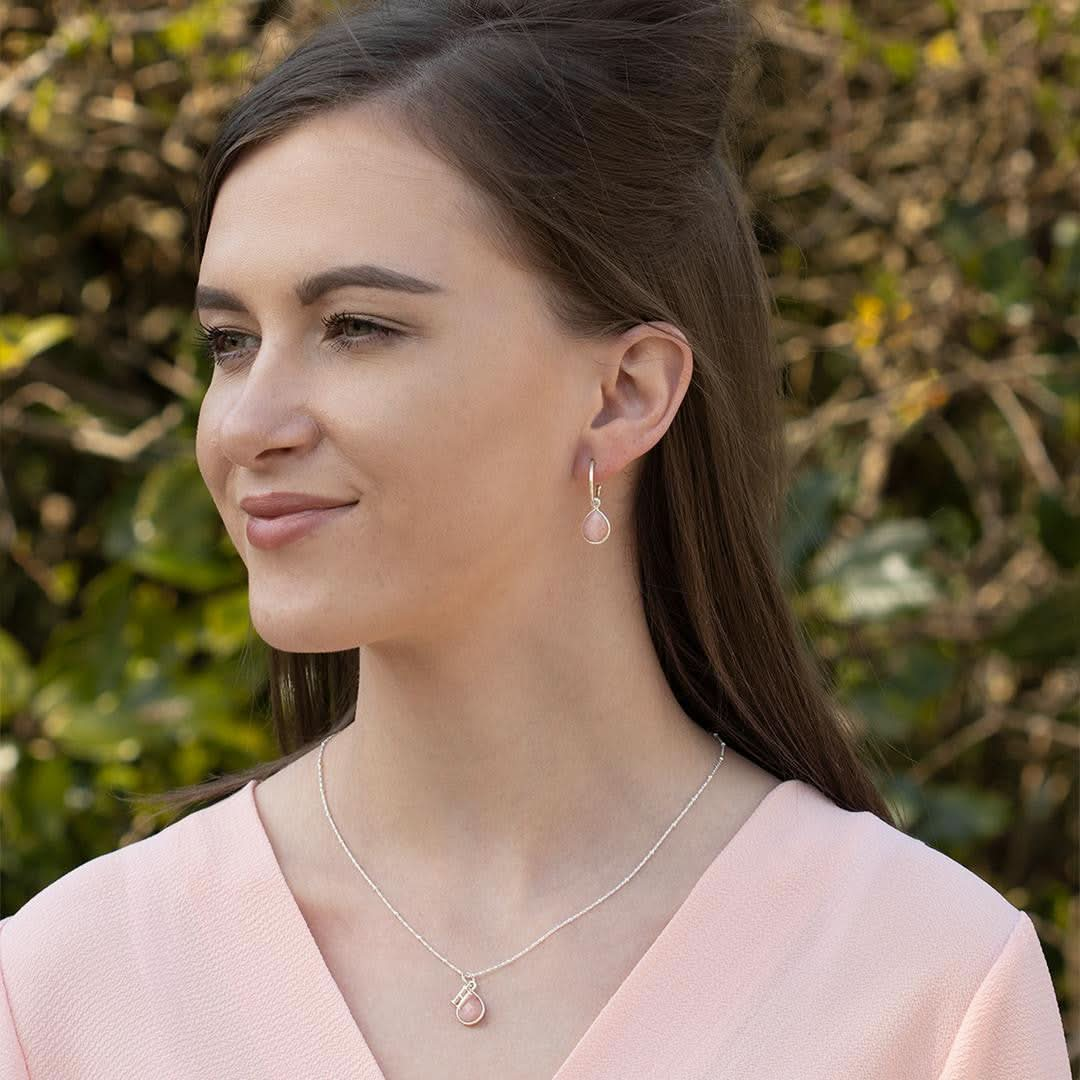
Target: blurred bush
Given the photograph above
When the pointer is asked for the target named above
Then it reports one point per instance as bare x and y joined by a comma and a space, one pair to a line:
915, 173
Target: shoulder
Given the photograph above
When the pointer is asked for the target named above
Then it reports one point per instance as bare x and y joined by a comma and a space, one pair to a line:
892, 879
880, 935
124, 912
922, 890
914, 930
860, 950
964, 963
121, 888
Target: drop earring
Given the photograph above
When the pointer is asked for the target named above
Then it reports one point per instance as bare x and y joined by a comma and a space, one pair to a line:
595, 528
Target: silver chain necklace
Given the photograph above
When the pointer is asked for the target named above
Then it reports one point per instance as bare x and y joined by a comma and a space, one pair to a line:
468, 1004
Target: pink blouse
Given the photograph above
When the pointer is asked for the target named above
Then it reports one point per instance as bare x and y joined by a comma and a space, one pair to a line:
820, 944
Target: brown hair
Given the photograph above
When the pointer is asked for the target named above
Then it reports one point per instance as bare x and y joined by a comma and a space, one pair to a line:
600, 135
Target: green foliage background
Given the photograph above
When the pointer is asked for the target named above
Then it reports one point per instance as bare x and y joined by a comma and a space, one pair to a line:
915, 171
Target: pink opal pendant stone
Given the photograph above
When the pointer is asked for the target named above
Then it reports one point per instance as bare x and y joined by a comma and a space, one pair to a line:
470, 1006
596, 527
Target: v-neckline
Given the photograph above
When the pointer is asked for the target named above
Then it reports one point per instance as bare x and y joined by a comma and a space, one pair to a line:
325, 992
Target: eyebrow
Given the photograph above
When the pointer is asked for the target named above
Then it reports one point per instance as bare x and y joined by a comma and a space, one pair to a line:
315, 285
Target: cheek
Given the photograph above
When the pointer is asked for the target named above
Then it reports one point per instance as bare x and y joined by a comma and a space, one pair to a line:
213, 464
207, 454
470, 454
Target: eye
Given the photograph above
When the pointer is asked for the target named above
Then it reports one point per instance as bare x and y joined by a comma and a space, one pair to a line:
219, 344
352, 322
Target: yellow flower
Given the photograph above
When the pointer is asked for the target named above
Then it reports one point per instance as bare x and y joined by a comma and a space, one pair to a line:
869, 318
942, 51
923, 395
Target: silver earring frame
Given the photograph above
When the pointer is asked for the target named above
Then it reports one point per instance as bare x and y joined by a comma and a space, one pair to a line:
594, 498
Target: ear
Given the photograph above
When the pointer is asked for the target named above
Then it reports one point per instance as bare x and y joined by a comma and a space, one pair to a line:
644, 375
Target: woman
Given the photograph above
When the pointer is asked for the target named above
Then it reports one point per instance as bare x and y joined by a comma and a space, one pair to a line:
494, 426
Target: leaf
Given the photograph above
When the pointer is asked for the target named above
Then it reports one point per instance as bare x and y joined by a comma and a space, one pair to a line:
1045, 632
873, 575
901, 58
16, 675
88, 653
957, 817
808, 514
1059, 530
226, 625
178, 531
988, 255
21, 339
895, 704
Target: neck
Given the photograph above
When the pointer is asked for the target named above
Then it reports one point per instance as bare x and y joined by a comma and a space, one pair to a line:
522, 753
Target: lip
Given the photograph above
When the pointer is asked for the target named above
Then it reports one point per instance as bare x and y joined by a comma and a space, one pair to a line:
276, 503
282, 517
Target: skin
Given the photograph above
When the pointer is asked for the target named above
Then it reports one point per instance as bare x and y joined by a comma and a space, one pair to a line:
514, 726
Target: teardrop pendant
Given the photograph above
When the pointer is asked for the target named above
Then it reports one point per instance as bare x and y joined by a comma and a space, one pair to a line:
470, 1006
596, 528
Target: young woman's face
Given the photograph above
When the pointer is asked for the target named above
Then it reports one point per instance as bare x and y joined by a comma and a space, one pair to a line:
375, 353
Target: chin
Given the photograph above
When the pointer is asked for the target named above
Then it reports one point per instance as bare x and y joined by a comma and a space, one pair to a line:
296, 632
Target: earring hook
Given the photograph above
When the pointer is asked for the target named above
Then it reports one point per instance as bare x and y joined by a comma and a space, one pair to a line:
594, 493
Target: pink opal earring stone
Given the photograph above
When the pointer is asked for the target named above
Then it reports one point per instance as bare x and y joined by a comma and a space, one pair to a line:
596, 528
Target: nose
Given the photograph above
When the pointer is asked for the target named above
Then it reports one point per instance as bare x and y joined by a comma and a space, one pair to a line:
269, 414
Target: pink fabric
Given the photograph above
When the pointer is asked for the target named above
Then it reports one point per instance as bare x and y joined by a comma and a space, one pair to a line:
820, 943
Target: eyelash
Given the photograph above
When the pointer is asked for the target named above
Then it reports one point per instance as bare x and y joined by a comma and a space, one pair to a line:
208, 338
